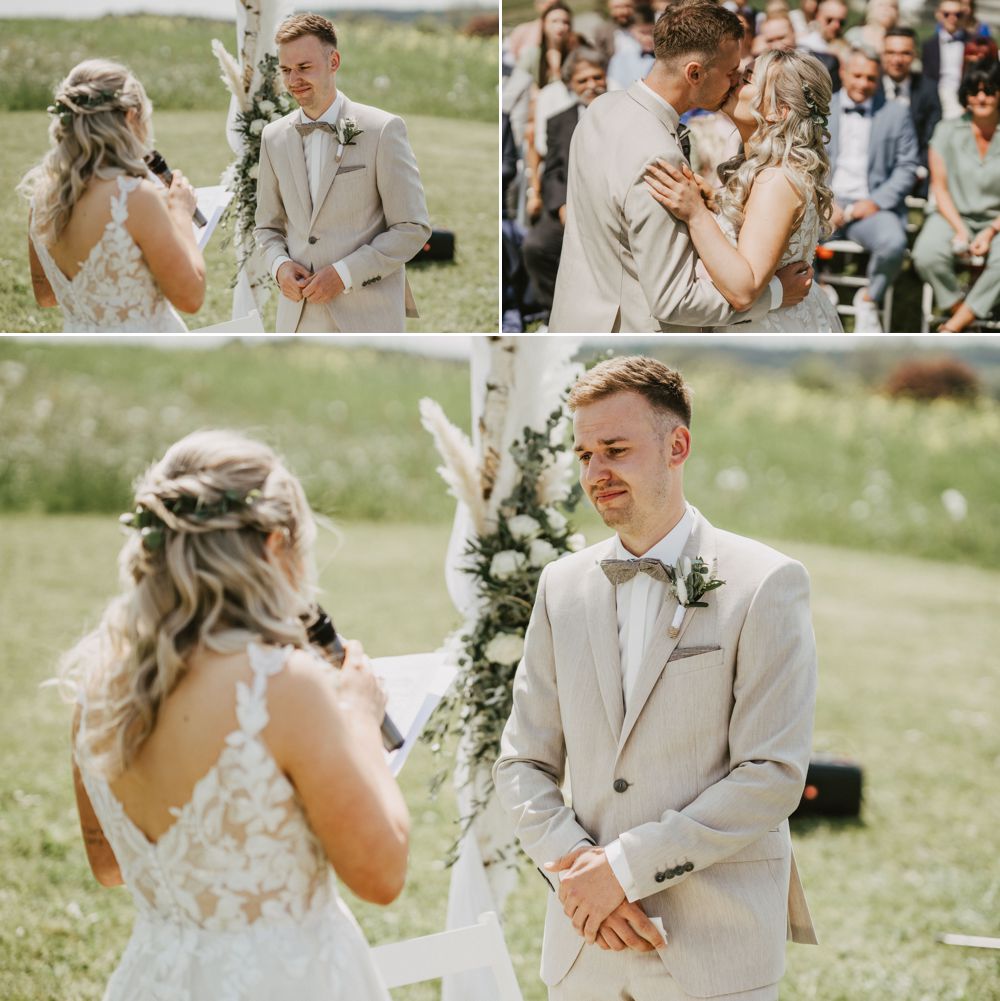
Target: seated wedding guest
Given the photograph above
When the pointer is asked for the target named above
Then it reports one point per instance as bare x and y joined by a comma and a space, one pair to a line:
873, 163
749, 22
978, 48
826, 41
944, 55
775, 32
804, 18
525, 35
630, 64
965, 181
971, 23
107, 242
915, 90
613, 35
224, 770
880, 16
585, 77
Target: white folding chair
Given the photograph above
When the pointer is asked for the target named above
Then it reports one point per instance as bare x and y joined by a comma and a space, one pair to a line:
838, 279
249, 324
432, 956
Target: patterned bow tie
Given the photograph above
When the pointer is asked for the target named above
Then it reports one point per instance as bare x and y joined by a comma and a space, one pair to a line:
620, 571
304, 130
684, 138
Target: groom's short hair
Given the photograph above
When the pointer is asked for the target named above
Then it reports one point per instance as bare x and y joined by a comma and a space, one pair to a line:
299, 25
694, 27
662, 388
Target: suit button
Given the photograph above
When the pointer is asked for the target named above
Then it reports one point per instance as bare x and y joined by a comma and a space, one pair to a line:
670, 874
313, 239
620, 785
679, 871
689, 866
660, 877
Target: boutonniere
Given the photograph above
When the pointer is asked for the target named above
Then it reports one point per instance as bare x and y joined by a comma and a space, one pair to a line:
690, 581
347, 132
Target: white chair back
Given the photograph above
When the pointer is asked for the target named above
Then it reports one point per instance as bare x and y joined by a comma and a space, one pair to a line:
432, 956
250, 324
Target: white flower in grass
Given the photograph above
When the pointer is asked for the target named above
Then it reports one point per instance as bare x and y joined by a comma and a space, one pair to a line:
523, 526
505, 649
257, 126
541, 552
955, 504
576, 542
506, 564
555, 520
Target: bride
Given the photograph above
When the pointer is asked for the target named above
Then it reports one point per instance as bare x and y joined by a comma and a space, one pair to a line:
106, 242
221, 767
774, 195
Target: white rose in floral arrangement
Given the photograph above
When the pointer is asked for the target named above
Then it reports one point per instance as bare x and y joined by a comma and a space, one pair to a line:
523, 526
576, 542
505, 648
506, 564
555, 520
254, 170
257, 126
541, 552
266, 107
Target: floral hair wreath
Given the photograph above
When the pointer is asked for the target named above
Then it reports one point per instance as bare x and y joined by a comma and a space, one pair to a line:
79, 105
815, 114
151, 526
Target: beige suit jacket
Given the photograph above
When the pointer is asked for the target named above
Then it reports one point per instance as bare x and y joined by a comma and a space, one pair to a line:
627, 265
714, 748
370, 213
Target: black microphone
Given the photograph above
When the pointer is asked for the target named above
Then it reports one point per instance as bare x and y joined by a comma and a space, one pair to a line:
158, 166
322, 633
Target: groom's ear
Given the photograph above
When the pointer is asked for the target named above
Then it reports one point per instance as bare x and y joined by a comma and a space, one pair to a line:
334, 60
680, 445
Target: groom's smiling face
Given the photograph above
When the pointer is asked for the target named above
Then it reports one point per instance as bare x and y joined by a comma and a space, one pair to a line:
631, 456
309, 70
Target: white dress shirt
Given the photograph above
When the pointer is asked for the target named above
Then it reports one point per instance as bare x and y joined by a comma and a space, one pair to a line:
317, 146
897, 91
952, 61
639, 601
850, 173
774, 285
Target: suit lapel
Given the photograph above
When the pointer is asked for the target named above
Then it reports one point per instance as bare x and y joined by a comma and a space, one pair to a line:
330, 166
297, 160
700, 542
602, 627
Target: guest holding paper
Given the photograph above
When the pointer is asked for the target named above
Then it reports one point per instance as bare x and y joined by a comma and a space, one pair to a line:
221, 766
107, 242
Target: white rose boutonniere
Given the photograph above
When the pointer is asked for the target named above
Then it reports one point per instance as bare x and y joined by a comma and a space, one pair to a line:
690, 581
347, 132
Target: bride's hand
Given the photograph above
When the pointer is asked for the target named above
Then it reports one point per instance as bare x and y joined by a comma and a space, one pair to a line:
181, 196
675, 189
359, 688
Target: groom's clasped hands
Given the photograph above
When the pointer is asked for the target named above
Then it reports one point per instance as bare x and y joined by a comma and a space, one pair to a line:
595, 902
298, 282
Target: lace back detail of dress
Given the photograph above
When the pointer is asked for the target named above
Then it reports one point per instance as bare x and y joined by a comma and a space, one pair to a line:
802, 243
240, 851
114, 290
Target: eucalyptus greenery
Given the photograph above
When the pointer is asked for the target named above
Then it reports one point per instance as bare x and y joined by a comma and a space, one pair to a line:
506, 563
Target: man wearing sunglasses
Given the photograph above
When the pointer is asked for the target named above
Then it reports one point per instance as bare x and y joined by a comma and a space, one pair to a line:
944, 54
827, 36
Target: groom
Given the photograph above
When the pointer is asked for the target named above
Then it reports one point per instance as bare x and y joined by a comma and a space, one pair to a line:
340, 206
627, 264
685, 733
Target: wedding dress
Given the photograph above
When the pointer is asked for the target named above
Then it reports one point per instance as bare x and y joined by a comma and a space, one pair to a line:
236, 901
816, 314
114, 290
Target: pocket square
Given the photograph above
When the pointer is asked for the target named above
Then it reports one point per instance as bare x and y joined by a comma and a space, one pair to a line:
347, 170
682, 653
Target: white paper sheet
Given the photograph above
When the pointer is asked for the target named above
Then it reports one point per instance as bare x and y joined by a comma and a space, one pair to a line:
415, 683
212, 202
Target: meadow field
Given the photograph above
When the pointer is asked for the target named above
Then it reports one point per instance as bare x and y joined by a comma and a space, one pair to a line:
442, 82
907, 625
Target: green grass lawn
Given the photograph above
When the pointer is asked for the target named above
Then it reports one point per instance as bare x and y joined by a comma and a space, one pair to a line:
457, 163
907, 688
771, 458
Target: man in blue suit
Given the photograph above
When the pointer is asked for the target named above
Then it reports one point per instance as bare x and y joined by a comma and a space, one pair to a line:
874, 157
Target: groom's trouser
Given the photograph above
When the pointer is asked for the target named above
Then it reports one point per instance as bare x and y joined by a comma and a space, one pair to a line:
599, 975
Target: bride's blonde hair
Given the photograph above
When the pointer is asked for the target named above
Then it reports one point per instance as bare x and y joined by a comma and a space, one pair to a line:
90, 137
196, 571
796, 90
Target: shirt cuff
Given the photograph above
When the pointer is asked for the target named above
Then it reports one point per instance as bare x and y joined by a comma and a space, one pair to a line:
777, 292
345, 275
615, 855
278, 261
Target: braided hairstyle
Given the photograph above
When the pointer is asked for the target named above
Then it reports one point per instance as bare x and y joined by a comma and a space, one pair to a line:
200, 572
100, 127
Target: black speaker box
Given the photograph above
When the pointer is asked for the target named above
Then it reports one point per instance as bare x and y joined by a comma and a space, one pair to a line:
833, 789
440, 246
